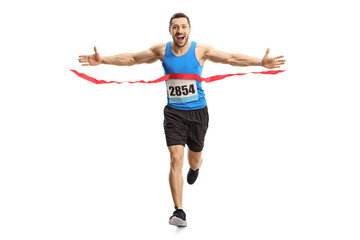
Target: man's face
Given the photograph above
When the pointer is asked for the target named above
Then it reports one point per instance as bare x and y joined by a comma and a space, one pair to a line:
180, 31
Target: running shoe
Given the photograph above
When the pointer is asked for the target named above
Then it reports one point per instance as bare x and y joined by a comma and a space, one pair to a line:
178, 218
192, 175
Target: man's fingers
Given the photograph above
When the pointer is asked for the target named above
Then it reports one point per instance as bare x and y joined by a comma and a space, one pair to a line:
279, 57
85, 64
96, 50
267, 51
83, 58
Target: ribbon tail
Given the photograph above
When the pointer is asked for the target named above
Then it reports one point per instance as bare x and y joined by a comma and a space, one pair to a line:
175, 75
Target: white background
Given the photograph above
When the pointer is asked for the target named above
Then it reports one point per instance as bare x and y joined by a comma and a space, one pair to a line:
86, 161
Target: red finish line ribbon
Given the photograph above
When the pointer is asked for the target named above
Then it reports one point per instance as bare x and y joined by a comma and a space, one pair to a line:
175, 76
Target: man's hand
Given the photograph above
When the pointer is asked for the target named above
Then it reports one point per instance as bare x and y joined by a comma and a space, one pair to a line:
90, 60
270, 62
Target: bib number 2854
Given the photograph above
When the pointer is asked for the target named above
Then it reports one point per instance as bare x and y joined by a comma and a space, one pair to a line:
182, 90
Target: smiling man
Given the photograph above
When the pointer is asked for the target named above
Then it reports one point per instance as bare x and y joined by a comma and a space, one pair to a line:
185, 115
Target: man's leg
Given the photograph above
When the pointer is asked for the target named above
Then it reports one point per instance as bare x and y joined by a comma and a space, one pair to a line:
195, 159
176, 184
175, 176
195, 141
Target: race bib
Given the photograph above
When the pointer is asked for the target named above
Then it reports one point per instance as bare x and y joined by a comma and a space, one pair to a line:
182, 90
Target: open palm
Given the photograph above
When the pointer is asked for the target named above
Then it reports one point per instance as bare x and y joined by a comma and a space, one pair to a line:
90, 60
272, 62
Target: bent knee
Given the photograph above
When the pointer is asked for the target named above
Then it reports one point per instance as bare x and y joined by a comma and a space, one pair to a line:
195, 163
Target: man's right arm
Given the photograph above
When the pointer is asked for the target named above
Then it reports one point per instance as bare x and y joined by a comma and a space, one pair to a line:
151, 55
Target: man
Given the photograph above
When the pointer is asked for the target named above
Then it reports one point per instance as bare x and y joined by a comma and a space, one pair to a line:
186, 114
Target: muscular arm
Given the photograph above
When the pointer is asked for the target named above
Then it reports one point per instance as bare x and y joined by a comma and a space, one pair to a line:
129, 59
236, 59
125, 59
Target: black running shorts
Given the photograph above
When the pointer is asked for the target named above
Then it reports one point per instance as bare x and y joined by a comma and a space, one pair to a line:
186, 127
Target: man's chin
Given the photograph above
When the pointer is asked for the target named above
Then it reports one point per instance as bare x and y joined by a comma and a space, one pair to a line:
180, 44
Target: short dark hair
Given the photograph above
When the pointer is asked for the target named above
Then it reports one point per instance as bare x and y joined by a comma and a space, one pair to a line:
179, 15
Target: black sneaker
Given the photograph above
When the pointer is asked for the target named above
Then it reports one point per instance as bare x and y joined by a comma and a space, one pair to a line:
192, 175
178, 218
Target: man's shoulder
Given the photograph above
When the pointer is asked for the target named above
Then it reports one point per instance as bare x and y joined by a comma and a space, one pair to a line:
203, 47
158, 48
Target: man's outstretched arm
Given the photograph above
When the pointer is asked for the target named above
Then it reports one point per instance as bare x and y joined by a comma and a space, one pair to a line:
125, 59
236, 59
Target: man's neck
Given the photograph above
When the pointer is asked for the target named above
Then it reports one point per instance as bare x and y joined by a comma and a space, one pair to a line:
180, 51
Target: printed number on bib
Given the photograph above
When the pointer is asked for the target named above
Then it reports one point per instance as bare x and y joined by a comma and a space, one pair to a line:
182, 90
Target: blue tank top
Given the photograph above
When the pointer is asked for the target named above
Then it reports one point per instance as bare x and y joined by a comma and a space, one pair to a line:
187, 63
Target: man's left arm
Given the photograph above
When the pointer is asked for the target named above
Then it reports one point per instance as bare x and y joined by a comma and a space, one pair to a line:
236, 59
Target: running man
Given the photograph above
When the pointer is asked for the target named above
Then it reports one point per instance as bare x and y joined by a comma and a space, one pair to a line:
186, 114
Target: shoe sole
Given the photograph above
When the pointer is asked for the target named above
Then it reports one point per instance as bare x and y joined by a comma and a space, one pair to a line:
177, 222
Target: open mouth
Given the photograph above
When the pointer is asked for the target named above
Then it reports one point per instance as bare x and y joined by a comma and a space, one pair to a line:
180, 38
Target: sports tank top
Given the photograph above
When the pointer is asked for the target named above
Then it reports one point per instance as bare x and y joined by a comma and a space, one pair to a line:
182, 94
